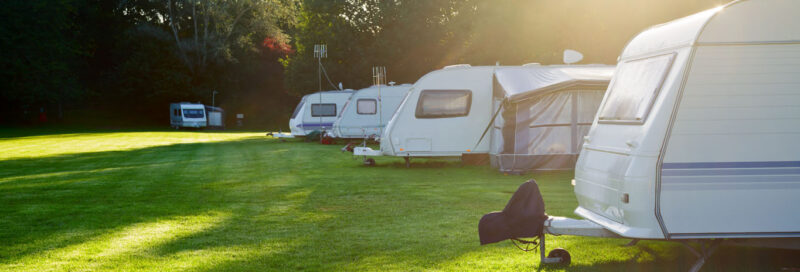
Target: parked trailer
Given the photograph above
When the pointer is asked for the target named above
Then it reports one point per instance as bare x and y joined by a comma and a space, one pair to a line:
216, 117
367, 112
696, 138
187, 115
318, 111
442, 115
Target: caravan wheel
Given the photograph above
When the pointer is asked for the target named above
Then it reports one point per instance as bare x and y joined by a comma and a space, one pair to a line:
561, 253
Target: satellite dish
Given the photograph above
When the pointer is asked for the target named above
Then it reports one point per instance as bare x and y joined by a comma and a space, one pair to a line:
340, 85
572, 56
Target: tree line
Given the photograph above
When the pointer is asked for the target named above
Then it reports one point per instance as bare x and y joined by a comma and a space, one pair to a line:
118, 63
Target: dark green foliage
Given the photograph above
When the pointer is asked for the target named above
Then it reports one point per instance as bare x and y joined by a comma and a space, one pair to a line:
101, 61
412, 38
108, 60
39, 53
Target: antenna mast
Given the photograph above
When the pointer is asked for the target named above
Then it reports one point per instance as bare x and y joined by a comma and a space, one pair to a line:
320, 52
378, 79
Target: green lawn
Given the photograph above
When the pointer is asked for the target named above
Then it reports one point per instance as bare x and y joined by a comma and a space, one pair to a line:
214, 201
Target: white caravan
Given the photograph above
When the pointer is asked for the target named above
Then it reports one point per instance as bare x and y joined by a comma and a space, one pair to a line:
443, 115
187, 114
542, 114
318, 111
697, 136
369, 110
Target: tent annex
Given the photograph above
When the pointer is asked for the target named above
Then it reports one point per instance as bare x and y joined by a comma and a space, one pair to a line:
318, 111
542, 114
368, 111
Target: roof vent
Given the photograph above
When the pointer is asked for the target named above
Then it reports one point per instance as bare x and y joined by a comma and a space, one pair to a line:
457, 66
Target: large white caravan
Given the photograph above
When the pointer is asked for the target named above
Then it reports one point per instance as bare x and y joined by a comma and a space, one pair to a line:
542, 114
697, 136
318, 111
369, 110
189, 115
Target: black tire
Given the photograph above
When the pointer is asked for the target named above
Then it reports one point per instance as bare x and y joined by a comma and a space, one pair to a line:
369, 162
561, 253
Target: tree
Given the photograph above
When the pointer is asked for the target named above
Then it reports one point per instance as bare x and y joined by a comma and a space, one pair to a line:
409, 37
38, 57
209, 31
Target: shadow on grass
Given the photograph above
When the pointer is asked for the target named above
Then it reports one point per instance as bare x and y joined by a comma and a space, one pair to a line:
58, 201
286, 206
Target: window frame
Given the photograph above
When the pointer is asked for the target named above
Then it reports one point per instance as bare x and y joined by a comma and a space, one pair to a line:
322, 104
358, 109
649, 105
419, 114
184, 114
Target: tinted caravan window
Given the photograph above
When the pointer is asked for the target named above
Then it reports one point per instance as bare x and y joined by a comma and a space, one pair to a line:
367, 106
323, 110
443, 103
635, 88
193, 113
297, 109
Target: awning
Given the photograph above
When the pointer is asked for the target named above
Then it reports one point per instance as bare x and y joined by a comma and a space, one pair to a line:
522, 82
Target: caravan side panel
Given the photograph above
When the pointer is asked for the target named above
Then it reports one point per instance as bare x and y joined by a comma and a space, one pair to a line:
732, 162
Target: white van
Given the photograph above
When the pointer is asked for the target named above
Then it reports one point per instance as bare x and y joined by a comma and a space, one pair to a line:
369, 110
189, 115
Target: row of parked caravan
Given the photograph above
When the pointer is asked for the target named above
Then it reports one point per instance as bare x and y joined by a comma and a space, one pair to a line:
693, 136
530, 117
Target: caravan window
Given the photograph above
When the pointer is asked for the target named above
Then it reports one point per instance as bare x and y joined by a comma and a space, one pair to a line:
367, 106
323, 110
635, 88
443, 103
193, 113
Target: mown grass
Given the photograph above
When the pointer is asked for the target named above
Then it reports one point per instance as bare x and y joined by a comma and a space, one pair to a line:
200, 201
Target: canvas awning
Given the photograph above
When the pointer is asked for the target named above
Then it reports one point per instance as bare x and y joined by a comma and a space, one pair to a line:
522, 82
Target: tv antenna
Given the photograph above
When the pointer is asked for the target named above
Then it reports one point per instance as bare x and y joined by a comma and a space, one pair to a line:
320, 52
379, 79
